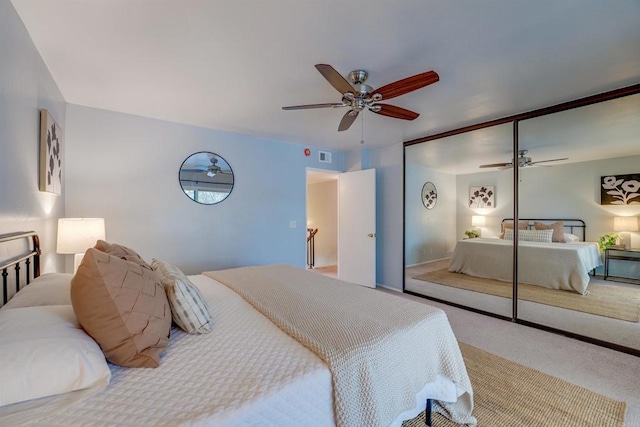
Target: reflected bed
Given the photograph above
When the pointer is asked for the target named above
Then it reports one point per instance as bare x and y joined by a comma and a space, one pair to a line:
553, 264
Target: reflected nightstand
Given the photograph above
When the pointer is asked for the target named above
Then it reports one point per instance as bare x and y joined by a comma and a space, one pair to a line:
629, 255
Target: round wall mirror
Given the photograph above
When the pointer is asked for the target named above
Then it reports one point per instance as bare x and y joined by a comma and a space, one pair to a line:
429, 195
206, 178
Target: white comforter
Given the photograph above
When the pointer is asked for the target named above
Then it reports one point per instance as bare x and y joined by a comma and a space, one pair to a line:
552, 265
245, 372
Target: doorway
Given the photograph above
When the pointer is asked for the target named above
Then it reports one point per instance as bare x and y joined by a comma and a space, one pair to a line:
322, 221
341, 212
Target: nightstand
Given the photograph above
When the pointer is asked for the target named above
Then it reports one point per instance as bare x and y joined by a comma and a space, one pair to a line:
629, 255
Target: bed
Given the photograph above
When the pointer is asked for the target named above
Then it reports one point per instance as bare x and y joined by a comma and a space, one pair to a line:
554, 265
259, 364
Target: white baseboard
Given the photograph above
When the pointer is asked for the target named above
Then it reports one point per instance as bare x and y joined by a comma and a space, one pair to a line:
378, 285
427, 262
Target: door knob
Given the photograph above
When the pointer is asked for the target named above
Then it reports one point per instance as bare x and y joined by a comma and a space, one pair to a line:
371, 234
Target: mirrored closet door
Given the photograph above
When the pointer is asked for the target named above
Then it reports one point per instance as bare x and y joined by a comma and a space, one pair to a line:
570, 176
598, 143
448, 238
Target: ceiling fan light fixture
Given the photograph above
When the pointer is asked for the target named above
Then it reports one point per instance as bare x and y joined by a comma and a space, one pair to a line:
211, 174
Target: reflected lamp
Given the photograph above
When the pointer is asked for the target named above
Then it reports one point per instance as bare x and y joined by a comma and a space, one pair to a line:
478, 221
625, 224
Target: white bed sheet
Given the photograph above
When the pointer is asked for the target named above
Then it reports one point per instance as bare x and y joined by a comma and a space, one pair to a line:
552, 265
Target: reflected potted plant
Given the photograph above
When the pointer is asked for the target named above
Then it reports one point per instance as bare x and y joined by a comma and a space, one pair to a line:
608, 241
472, 233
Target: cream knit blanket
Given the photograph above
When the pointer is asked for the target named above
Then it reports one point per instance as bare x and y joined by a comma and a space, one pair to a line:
381, 349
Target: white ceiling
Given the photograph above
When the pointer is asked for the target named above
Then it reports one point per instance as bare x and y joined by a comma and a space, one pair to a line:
233, 64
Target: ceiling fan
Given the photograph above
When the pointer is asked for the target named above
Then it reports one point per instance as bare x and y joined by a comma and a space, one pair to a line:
523, 161
358, 96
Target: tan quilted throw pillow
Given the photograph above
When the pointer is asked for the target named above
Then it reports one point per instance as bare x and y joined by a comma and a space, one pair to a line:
124, 308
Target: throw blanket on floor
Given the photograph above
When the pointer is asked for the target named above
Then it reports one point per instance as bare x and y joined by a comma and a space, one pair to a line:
380, 349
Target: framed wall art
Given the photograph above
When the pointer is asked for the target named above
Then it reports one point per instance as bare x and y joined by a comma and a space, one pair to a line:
429, 195
50, 154
620, 189
482, 197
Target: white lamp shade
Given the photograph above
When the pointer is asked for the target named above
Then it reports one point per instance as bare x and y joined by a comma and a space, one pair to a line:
76, 235
625, 223
478, 221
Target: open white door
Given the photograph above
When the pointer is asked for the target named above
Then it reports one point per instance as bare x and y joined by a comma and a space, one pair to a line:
357, 227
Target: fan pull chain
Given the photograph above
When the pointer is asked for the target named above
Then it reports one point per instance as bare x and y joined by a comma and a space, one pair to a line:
362, 129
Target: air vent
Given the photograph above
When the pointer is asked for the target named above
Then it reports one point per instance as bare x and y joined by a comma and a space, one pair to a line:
324, 156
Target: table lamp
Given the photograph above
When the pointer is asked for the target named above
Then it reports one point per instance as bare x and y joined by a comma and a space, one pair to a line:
76, 235
478, 221
625, 224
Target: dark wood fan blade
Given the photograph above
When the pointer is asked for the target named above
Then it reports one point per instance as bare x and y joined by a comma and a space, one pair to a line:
496, 165
396, 112
309, 106
550, 160
347, 120
407, 85
335, 79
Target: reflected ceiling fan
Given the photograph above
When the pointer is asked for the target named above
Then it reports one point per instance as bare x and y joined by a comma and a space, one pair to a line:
357, 96
211, 170
523, 161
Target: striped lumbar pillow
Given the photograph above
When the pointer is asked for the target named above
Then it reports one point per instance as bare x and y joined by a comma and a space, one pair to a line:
530, 235
188, 307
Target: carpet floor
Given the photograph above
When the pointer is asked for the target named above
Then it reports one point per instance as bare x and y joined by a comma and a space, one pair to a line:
509, 394
609, 301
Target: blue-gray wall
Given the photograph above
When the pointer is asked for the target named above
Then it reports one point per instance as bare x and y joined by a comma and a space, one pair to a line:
125, 168
25, 87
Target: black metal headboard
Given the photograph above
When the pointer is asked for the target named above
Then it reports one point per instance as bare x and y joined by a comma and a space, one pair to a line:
573, 226
32, 252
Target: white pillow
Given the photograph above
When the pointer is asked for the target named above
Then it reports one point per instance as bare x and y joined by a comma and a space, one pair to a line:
571, 238
189, 309
48, 289
43, 352
530, 235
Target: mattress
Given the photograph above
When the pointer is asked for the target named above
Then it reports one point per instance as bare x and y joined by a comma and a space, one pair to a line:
245, 372
563, 266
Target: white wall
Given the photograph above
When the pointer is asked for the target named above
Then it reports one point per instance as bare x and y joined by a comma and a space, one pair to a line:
502, 182
563, 191
322, 213
125, 168
25, 87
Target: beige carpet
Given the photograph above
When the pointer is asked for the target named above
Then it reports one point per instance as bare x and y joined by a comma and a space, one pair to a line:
609, 301
509, 394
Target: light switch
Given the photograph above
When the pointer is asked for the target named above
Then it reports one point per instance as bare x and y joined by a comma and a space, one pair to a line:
292, 224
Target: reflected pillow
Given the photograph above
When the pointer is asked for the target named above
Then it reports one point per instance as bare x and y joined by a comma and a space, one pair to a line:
571, 238
522, 225
530, 235
557, 227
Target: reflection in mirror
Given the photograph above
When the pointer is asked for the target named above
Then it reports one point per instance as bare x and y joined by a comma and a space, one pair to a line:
429, 195
206, 178
435, 241
599, 140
